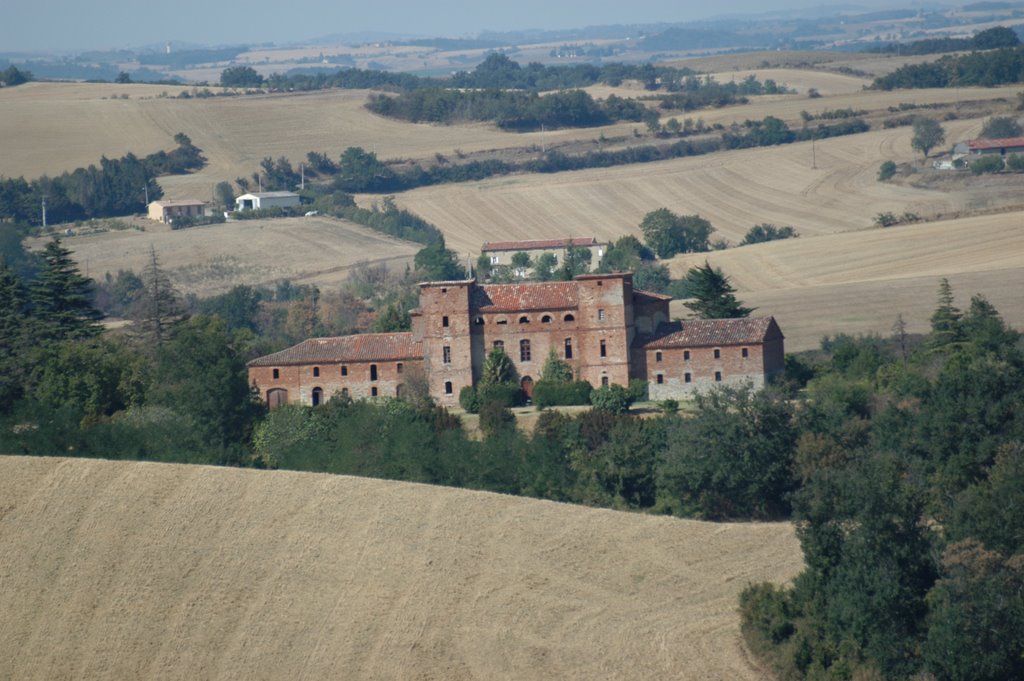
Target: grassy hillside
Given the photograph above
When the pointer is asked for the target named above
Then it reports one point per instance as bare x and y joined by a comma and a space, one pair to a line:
132, 570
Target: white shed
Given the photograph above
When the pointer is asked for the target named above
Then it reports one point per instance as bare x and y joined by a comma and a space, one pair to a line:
266, 200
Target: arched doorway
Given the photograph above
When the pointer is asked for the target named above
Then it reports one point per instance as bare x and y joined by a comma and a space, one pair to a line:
276, 397
527, 385
318, 396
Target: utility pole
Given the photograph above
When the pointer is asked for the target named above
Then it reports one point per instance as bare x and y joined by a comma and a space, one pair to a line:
814, 157
44, 212
302, 174
146, 188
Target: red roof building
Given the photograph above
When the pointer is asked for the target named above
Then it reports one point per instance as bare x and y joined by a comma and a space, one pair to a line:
605, 329
1003, 146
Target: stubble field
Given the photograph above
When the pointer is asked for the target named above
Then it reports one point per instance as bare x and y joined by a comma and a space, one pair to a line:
115, 570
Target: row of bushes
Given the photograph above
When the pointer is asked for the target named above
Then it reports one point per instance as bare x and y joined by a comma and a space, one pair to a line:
554, 393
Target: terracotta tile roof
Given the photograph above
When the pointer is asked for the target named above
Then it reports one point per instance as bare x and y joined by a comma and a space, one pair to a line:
539, 244
641, 297
548, 295
708, 332
367, 347
996, 143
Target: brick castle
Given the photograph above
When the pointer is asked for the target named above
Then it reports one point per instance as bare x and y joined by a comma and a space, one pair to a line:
605, 329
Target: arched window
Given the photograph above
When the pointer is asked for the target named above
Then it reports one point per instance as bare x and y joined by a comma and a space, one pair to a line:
318, 396
546, 319
501, 320
569, 318
316, 372
568, 348
524, 320
277, 374
478, 320
447, 387
524, 350
373, 372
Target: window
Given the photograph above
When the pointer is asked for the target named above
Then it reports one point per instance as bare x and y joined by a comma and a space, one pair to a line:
478, 321
524, 320
494, 260
524, 350
745, 353
687, 378
446, 354
398, 368
569, 318
660, 379
718, 354
686, 355
718, 376
444, 291
499, 345
604, 348
444, 321
447, 387
600, 315
344, 370
501, 321
344, 392
373, 391
657, 356
373, 372
600, 283
277, 373
318, 396
316, 372
546, 319
568, 348
604, 381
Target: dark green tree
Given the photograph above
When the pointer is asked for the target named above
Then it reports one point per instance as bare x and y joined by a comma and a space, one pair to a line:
240, 76
928, 134
577, 261
1001, 127
436, 263
767, 232
945, 320
711, 294
544, 267
157, 306
555, 369
62, 297
16, 337
498, 369
668, 234
392, 318
225, 195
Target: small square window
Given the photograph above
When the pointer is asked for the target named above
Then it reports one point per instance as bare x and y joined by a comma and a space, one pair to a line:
373, 391
660, 379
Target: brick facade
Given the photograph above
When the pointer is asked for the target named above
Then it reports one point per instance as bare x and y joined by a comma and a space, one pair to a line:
607, 331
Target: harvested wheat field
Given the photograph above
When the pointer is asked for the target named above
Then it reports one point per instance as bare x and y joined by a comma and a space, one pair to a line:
735, 190
858, 282
119, 570
53, 127
212, 259
825, 82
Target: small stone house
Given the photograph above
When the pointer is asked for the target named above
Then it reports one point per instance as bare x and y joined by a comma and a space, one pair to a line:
167, 210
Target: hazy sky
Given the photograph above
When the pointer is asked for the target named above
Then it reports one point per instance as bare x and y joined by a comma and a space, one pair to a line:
78, 24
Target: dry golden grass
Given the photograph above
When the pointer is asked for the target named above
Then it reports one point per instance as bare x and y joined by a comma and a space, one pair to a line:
860, 281
210, 260
825, 82
115, 570
735, 190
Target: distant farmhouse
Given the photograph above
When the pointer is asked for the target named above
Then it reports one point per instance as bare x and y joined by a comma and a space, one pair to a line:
609, 332
262, 200
501, 252
166, 211
987, 147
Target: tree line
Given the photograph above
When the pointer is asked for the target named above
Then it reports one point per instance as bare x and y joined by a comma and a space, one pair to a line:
986, 69
117, 187
989, 39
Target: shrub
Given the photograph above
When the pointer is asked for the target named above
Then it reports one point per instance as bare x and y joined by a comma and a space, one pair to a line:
495, 417
1015, 162
613, 399
765, 608
469, 400
669, 406
987, 164
886, 170
886, 220
637, 390
506, 394
556, 393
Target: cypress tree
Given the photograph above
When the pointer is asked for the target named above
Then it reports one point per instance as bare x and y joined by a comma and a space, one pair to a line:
712, 296
945, 320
